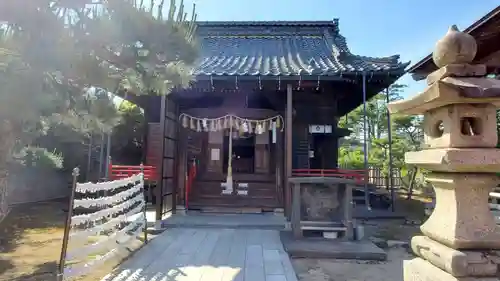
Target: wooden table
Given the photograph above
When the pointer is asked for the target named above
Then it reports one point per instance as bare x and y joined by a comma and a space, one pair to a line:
331, 182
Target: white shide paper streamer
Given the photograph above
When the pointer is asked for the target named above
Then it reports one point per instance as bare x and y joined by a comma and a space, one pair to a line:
89, 187
113, 205
107, 200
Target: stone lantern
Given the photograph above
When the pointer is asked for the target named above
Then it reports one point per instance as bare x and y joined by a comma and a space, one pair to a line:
461, 239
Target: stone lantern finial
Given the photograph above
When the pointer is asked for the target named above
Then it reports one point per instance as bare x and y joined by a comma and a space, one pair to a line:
455, 47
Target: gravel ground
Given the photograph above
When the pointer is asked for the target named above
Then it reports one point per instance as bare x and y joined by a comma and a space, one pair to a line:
352, 270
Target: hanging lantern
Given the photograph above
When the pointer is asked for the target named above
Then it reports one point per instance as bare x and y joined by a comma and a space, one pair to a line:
185, 121
271, 121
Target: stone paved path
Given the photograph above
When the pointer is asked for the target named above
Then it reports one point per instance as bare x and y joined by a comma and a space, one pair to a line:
194, 254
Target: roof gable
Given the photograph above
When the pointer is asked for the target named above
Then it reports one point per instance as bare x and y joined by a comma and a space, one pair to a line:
281, 49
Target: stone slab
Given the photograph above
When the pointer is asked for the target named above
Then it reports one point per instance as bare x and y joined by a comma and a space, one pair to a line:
458, 263
420, 270
463, 160
328, 248
195, 254
248, 221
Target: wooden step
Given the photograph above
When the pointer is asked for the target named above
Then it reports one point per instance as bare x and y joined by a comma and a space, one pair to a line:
254, 190
261, 203
323, 228
228, 210
231, 197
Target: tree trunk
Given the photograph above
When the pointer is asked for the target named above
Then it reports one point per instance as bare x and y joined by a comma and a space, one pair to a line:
7, 143
412, 183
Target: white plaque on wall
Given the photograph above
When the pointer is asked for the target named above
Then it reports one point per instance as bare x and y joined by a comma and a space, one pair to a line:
316, 129
215, 154
320, 129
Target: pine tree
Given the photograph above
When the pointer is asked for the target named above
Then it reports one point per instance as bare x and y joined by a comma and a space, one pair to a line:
54, 53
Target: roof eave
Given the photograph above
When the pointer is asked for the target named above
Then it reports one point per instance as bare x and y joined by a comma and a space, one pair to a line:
341, 76
333, 22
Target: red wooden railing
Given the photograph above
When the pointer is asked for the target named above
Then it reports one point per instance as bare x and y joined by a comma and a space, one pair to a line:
189, 182
358, 175
124, 171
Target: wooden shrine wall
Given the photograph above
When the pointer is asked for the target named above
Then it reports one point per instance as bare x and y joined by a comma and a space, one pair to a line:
170, 141
301, 138
153, 145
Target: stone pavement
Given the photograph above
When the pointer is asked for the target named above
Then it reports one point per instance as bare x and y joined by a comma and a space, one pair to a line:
203, 254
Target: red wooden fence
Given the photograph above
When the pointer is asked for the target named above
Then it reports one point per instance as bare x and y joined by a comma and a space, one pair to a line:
124, 171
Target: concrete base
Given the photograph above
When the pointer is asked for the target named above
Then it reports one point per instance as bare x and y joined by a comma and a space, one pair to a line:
180, 210
155, 231
158, 224
201, 220
328, 248
420, 270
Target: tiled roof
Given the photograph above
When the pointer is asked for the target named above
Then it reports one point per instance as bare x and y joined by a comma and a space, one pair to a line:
282, 49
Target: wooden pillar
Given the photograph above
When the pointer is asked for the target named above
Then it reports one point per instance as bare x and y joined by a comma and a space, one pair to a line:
296, 206
288, 149
159, 186
182, 165
279, 164
348, 212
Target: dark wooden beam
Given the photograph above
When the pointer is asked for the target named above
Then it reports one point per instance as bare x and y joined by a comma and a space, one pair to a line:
288, 149
159, 186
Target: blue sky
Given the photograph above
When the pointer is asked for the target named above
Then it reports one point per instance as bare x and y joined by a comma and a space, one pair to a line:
372, 28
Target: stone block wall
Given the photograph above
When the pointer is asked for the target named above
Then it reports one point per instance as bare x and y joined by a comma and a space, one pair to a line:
30, 185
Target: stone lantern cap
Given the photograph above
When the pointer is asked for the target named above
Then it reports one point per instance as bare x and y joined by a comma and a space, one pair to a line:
457, 81
447, 91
